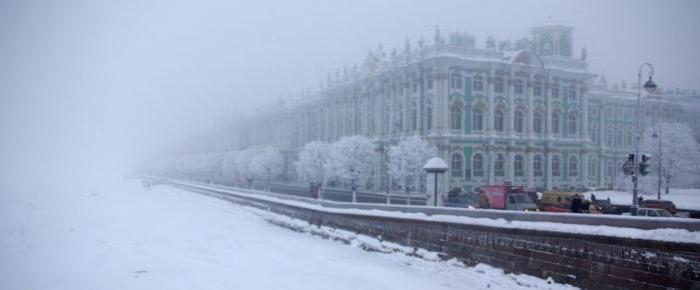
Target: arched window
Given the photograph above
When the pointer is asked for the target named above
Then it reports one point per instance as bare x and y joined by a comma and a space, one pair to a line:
556, 121
628, 138
618, 138
499, 165
594, 133
456, 81
414, 118
456, 165
573, 166
519, 121
537, 122
428, 117
478, 118
609, 137
499, 86
498, 121
478, 164
456, 116
537, 169
478, 83
572, 124
518, 166
537, 90
556, 166
518, 87
593, 167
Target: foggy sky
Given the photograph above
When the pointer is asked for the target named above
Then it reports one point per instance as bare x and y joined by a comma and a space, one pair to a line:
99, 84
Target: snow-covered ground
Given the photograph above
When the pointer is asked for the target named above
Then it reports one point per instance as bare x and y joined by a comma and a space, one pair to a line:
683, 198
119, 236
660, 234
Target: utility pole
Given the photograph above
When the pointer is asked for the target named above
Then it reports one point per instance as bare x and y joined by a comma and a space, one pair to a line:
658, 168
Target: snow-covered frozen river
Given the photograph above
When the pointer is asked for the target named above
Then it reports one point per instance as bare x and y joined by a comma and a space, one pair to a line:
120, 236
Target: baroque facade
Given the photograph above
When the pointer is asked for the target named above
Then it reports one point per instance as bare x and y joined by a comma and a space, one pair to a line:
525, 113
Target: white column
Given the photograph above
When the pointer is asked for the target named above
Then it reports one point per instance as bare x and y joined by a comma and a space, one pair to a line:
490, 96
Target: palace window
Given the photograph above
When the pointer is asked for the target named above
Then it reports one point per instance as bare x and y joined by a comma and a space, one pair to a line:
609, 169
572, 124
537, 166
518, 166
478, 83
456, 116
478, 164
628, 138
556, 121
573, 166
556, 166
498, 121
618, 138
456, 81
429, 83
519, 120
555, 92
518, 87
592, 168
414, 118
537, 122
478, 118
499, 87
572, 93
428, 118
594, 133
537, 90
499, 166
609, 137
456, 165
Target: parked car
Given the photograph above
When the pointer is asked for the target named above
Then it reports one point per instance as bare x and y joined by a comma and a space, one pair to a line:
606, 207
652, 212
659, 203
556, 201
505, 197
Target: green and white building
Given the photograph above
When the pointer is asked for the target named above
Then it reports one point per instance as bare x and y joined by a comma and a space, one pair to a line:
524, 113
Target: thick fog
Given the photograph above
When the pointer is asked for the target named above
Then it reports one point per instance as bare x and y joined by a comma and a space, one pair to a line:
97, 86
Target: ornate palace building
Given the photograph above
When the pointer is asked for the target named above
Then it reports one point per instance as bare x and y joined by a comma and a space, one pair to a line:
524, 113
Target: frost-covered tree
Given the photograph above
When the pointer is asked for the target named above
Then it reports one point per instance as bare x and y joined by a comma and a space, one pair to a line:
679, 154
406, 160
312, 159
351, 161
229, 168
240, 163
266, 163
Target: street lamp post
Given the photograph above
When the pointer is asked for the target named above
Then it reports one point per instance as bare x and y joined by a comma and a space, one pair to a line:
658, 169
649, 87
436, 166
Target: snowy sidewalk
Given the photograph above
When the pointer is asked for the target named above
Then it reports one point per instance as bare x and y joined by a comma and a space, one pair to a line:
120, 236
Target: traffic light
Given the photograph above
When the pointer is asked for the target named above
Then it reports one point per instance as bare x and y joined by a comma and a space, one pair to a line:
644, 166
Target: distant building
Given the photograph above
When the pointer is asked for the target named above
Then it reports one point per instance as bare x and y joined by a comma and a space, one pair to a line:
528, 113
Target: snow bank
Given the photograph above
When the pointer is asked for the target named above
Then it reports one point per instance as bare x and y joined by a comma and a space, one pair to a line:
672, 235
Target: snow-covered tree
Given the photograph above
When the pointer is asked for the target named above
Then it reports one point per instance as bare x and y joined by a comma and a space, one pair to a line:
229, 168
406, 160
351, 161
679, 154
266, 163
241, 161
312, 159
